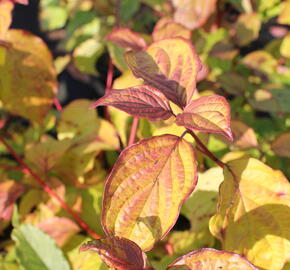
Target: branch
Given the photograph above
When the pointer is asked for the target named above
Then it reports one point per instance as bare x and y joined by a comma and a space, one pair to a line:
50, 191
133, 130
202, 148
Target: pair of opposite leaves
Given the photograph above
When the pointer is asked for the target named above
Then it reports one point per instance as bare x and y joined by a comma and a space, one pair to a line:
169, 68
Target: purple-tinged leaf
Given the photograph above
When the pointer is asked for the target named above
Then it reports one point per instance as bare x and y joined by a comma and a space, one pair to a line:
207, 114
146, 188
127, 39
170, 65
118, 253
139, 101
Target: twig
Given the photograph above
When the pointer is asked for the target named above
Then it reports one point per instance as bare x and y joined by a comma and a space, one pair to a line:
13, 168
133, 130
202, 148
50, 191
57, 104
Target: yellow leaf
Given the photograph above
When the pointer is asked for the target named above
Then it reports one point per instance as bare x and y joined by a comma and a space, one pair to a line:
285, 46
28, 78
6, 8
211, 259
146, 188
284, 17
253, 217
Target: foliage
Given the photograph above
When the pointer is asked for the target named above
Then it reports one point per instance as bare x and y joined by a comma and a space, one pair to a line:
194, 141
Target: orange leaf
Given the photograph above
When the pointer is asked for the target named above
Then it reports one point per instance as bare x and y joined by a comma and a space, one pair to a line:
170, 65
127, 39
139, 101
118, 253
193, 13
146, 188
208, 258
208, 114
6, 8
281, 145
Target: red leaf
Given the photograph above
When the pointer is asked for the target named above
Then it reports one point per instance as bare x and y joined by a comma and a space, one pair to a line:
208, 114
118, 253
127, 39
9, 193
139, 101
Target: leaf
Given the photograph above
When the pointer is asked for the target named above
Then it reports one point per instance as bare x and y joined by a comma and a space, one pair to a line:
247, 28
23, 2
10, 191
170, 65
85, 56
281, 145
284, 49
271, 99
128, 8
118, 253
138, 101
233, 83
207, 114
127, 39
146, 188
208, 258
27, 78
284, 18
202, 203
193, 13
46, 154
165, 28
253, 216
6, 8
244, 136
35, 250
59, 228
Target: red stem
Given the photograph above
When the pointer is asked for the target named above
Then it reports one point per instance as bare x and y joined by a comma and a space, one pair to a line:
14, 168
205, 151
57, 104
133, 130
109, 76
50, 191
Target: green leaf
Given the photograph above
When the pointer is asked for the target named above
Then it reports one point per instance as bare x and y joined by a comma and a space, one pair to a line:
128, 8
35, 250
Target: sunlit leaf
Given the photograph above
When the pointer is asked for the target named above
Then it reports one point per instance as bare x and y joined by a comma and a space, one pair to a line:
253, 216
284, 17
244, 136
170, 65
138, 101
260, 61
207, 114
86, 55
201, 206
247, 28
165, 28
27, 79
36, 250
6, 8
59, 228
146, 188
118, 253
208, 258
285, 46
281, 145
193, 13
127, 39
